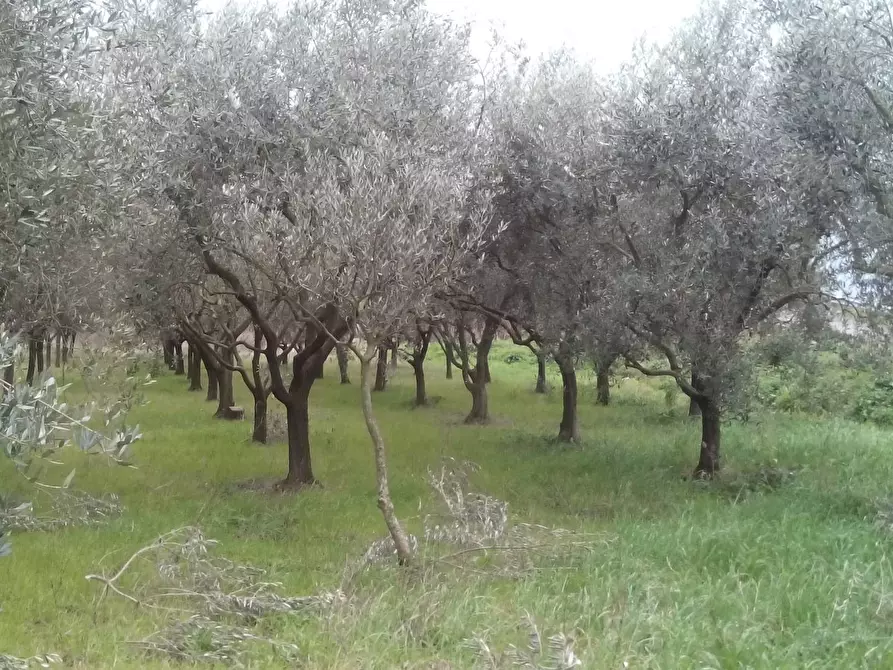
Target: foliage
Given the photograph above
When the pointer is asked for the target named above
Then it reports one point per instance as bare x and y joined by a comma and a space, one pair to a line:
876, 404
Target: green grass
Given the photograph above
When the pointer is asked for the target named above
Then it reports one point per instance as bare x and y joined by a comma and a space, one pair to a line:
730, 574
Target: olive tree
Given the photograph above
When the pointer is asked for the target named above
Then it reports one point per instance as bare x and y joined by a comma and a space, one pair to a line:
303, 147
712, 217
57, 188
401, 216
834, 64
546, 127
215, 119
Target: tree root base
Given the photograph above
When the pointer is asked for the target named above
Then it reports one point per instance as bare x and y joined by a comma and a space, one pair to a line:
230, 414
287, 486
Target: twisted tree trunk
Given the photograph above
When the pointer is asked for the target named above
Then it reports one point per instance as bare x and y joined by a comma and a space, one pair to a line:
385, 504
381, 370
693, 408
194, 368
297, 415
179, 368
394, 361
343, 362
421, 392
32, 360
259, 432
417, 361
68, 336
167, 350
260, 391
541, 384
569, 430
477, 379
226, 399
708, 462
41, 345
213, 386
602, 378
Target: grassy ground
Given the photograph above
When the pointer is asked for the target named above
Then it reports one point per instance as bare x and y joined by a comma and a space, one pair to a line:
741, 573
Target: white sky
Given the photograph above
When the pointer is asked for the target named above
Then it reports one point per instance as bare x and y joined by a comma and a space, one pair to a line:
602, 31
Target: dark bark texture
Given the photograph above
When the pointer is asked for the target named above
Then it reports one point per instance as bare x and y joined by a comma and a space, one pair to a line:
708, 462
32, 360
569, 430
213, 387
259, 433
603, 379
541, 383
417, 361
477, 378
225, 398
343, 362
194, 367
381, 370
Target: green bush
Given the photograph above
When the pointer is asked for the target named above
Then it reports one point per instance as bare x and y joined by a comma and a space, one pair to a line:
875, 404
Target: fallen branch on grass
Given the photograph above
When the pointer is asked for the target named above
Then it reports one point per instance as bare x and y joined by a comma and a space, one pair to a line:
15, 663
213, 590
67, 509
554, 653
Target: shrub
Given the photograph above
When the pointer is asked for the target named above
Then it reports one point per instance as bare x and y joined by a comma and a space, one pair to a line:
875, 404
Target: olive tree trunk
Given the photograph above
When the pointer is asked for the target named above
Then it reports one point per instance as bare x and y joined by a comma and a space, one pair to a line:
542, 385
41, 345
381, 370
394, 360
259, 432
297, 416
194, 368
32, 360
167, 350
421, 392
213, 386
179, 367
260, 391
477, 379
602, 388
694, 409
603, 379
569, 430
67, 345
225, 399
343, 356
385, 504
708, 462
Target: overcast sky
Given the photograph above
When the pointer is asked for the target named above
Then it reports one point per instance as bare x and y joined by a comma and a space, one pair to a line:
599, 30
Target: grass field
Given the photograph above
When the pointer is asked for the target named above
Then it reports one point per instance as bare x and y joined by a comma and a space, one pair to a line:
744, 572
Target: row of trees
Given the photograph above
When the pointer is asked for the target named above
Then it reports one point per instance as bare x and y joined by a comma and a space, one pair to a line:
346, 176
